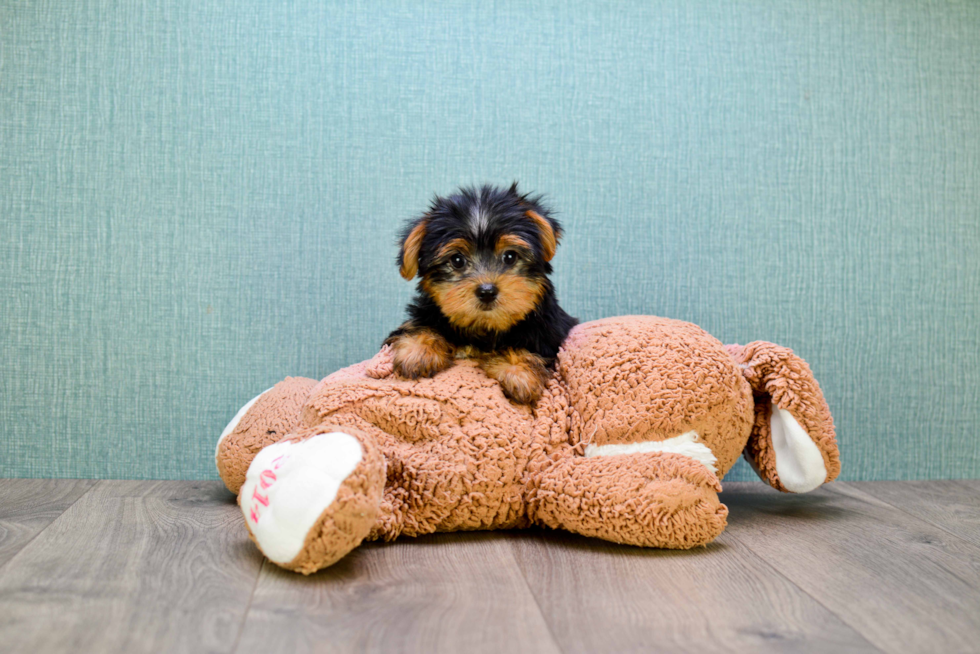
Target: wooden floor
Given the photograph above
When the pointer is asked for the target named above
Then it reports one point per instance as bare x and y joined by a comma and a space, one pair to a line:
122, 566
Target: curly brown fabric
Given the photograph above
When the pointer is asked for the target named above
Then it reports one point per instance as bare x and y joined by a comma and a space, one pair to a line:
346, 522
457, 455
777, 375
610, 498
272, 418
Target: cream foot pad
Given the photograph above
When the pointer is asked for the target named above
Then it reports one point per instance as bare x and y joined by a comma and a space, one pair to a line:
289, 485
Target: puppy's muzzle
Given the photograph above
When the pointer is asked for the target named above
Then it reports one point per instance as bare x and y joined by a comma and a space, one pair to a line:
486, 293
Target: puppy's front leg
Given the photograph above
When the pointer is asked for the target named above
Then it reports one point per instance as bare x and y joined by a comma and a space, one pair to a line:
521, 374
420, 352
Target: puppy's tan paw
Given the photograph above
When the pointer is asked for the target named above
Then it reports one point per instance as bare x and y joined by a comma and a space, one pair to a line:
522, 375
421, 354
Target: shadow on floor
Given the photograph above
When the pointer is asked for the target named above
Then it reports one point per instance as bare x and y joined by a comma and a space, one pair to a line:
751, 501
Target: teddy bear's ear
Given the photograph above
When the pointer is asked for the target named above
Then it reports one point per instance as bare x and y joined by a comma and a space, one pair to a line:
408, 256
793, 446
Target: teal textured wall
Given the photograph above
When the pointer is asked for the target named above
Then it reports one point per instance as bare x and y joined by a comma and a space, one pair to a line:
200, 198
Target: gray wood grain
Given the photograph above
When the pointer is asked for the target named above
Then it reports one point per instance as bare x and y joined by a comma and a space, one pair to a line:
27, 506
167, 566
903, 583
133, 567
458, 592
599, 596
953, 505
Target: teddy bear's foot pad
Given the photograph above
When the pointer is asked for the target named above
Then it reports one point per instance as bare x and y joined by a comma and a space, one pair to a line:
290, 486
688, 444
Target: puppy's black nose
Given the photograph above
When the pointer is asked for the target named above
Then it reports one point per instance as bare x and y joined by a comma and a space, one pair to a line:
486, 293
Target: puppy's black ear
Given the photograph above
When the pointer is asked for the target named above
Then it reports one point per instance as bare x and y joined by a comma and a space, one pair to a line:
408, 257
548, 229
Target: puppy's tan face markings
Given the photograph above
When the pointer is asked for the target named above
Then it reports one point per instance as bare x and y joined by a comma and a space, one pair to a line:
463, 270
456, 246
509, 253
517, 297
511, 242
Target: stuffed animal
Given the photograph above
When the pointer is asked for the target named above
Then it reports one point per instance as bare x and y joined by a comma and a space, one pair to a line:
640, 420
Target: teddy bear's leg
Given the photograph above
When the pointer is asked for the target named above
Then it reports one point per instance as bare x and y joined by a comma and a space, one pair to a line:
792, 445
267, 418
651, 499
312, 498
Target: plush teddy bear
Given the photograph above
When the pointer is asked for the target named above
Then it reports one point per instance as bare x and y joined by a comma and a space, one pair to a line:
640, 420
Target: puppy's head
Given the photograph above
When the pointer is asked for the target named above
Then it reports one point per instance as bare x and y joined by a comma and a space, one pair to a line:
483, 255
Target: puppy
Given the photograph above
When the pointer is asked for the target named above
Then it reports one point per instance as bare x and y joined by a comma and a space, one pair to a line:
483, 257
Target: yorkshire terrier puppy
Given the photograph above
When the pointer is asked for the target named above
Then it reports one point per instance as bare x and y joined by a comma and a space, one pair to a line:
483, 257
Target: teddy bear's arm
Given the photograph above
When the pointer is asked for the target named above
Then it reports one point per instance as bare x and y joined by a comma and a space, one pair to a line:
792, 446
652, 499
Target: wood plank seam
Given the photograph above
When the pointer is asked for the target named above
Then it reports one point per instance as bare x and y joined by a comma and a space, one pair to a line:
23, 547
537, 603
248, 607
908, 513
829, 610
846, 492
154, 566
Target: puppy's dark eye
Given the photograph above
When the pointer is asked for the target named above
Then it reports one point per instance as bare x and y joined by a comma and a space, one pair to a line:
457, 261
509, 258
